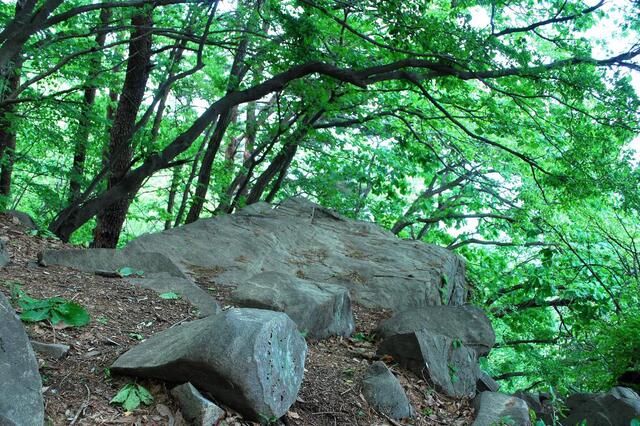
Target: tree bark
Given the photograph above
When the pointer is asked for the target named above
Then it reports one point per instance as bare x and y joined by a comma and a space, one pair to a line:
173, 190
84, 123
111, 218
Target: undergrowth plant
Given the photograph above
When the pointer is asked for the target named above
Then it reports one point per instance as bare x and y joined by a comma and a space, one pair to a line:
53, 309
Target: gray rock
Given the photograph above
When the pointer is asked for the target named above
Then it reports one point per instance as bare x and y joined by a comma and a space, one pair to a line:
185, 287
53, 350
160, 273
383, 391
196, 408
4, 253
486, 383
615, 408
451, 367
304, 240
249, 359
493, 408
468, 324
539, 403
319, 310
21, 400
22, 218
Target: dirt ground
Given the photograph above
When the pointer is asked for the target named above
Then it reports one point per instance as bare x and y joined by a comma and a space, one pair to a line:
77, 389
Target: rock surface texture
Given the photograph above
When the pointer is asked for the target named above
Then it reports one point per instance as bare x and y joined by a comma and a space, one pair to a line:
319, 310
196, 409
21, 401
468, 324
383, 391
249, 359
299, 239
450, 366
493, 409
615, 408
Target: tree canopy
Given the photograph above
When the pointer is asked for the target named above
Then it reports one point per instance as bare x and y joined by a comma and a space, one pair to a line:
501, 130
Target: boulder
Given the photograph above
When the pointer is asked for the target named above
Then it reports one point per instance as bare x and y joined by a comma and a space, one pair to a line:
383, 391
53, 350
493, 408
303, 240
249, 359
539, 403
615, 408
22, 218
319, 310
196, 409
468, 324
451, 367
486, 383
21, 400
4, 253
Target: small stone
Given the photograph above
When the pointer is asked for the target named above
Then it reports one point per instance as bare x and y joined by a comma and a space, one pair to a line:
385, 393
53, 350
195, 408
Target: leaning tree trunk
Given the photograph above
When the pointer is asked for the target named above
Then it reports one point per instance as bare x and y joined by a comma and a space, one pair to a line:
120, 152
8, 133
84, 123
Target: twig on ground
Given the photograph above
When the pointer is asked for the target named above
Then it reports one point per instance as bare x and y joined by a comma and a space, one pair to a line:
82, 407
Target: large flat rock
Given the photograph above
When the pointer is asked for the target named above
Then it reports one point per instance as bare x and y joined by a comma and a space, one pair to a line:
249, 359
468, 324
21, 402
304, 240
319, 310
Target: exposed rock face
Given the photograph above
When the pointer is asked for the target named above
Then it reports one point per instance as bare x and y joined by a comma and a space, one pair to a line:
319, 310
486, 383
540, 403
195, 408
451, 367
20, 383
494, 408
22, 218
304, 240
4, 253
615, 408
384, 392
249, 359
468, 324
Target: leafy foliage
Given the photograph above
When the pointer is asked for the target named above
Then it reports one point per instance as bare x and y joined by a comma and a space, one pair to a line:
131, 396
55, 310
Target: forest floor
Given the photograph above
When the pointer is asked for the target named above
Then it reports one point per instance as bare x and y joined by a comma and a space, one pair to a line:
77, 388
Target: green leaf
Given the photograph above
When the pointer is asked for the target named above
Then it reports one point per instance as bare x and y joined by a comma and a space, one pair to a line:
145, 396
73, 314
169, 296
35, 315
635, 422
132, 402
122, 395
128, 271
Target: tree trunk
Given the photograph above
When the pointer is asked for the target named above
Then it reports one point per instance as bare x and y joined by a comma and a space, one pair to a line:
173, 190
204, 176
278, 164
8, 135
84, 123
187, 185
111, 218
